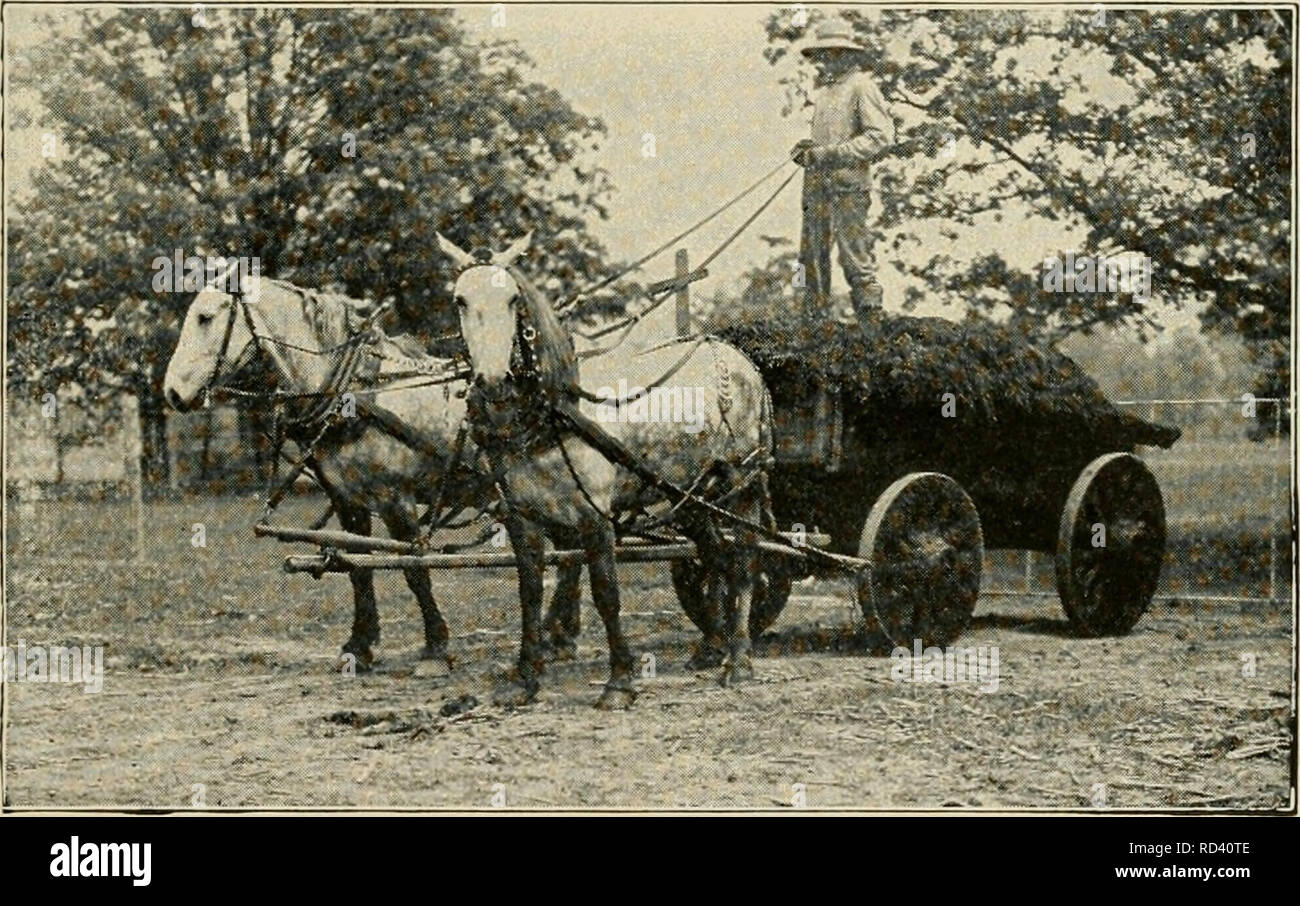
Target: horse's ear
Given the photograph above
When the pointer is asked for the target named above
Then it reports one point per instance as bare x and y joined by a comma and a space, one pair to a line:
454, 252
517, 248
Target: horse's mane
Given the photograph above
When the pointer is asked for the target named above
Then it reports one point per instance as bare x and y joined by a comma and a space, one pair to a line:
333, 317
556, 362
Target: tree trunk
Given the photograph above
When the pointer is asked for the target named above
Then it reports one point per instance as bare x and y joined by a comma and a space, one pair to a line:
255, 427
162, 453
58, 449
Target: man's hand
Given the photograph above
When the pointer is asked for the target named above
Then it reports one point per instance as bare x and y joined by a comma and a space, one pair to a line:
801, 153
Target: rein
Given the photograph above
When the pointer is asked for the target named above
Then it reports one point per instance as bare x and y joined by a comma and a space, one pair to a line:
590, 397
342, 374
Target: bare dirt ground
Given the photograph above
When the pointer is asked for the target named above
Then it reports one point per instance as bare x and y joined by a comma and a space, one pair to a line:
222, 687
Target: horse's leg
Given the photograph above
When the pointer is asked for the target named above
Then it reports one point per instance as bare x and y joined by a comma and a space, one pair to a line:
562, 623
527, 541
741, 574
365, 619
709, 550
598, 543
434, 661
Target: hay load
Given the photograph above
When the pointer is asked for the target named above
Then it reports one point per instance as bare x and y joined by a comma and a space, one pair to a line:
1011, 422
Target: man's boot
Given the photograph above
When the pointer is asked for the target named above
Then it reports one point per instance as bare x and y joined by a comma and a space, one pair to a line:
868, 302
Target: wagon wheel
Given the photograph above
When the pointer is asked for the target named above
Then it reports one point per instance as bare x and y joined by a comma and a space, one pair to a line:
1111, 545
770, 595
926, 552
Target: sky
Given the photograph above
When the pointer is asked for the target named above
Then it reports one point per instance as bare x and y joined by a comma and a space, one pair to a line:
694, 77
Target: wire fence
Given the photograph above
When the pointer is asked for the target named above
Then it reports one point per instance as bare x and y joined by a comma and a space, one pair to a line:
1228, 503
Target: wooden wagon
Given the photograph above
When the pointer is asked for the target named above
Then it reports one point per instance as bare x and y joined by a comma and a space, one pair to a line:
916, 444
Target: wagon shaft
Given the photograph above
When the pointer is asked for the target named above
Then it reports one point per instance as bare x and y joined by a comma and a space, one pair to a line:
345, 551
343, 540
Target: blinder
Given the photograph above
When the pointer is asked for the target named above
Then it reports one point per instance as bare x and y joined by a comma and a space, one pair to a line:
224, 353
523, 354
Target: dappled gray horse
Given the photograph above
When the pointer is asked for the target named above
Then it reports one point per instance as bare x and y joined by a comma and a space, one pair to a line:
525, 371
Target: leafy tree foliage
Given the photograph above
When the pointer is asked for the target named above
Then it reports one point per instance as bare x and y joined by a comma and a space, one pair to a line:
328, 143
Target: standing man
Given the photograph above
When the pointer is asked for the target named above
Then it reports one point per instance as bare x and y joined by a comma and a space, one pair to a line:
851, 125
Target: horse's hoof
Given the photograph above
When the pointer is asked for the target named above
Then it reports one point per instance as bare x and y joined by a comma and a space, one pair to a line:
557, 652
705, 657
736, 670
435, 653
362, 657
514, 695
616, 698
432, 666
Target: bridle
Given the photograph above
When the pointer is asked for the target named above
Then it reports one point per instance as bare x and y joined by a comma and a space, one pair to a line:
320, 403
213, 384
523, 354
507, 414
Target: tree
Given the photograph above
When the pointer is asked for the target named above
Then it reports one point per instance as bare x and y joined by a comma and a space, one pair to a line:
329, 144
1167, 132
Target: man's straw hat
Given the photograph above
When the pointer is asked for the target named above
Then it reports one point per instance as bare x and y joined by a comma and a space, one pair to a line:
833, 34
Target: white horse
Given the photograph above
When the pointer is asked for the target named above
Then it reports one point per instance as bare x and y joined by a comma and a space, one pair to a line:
364, 465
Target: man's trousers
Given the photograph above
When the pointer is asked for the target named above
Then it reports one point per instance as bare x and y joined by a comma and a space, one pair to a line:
839, 215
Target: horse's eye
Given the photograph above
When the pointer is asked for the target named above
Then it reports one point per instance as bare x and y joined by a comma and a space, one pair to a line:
205, 320
460, 302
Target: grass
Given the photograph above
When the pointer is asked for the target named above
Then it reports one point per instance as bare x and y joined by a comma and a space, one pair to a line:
1227, 503
1212, 484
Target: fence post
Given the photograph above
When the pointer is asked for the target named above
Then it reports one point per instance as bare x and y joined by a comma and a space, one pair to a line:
132, 449
1272, 533
28, 492
683, 294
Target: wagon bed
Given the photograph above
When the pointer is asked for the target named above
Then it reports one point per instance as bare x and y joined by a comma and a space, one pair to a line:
855, 410
1044, 456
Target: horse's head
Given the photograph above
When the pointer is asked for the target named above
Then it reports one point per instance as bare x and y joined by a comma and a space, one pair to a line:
216, 342
490, 303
